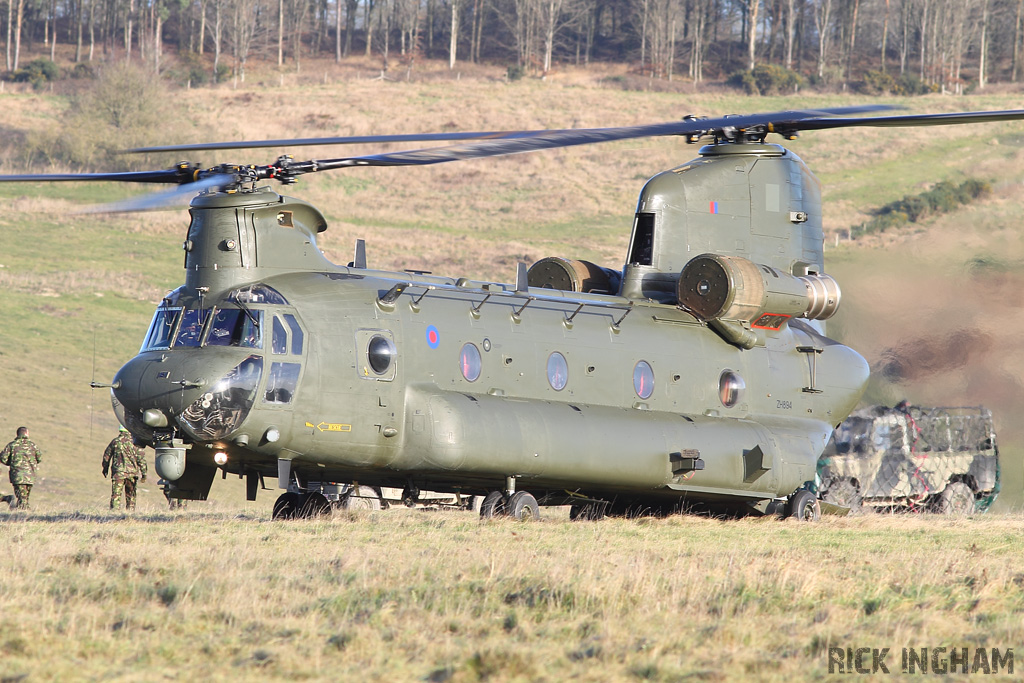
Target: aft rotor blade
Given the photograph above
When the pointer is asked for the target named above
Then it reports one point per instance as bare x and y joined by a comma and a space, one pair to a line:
170, 199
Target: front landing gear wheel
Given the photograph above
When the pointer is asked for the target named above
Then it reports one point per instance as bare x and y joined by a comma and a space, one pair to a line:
523, 507
804, 506
314, 505
493, 505
286, 506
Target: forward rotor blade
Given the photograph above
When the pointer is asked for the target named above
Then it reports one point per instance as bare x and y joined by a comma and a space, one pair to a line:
170, 199
683, 127
306, 142
529, 141
164, 176
910, 120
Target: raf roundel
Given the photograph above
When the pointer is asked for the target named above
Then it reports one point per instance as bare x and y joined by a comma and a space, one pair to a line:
433, 337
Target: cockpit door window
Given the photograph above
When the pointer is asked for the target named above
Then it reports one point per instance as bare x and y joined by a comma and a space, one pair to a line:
236, 327
281, 383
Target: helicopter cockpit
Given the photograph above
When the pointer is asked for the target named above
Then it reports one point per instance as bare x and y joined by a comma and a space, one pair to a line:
184, 324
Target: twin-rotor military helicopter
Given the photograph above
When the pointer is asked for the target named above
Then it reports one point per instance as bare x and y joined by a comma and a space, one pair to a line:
698, 375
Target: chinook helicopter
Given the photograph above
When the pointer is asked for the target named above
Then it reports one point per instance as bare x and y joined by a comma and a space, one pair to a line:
698, 375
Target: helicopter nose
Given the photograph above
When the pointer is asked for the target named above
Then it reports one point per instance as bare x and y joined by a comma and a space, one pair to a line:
207, 394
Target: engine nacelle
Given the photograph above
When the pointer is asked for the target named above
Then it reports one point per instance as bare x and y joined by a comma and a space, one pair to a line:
716, 287
568, 275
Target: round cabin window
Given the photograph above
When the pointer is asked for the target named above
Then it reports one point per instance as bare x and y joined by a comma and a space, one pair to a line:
558, 371
643, 379
730, 388
381, 354
469, 362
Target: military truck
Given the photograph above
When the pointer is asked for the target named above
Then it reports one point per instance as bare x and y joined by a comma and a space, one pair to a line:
941, 460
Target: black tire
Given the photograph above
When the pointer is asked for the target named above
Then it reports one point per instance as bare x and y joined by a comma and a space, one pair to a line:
587, 511
494, 505
286, 506
844, 493
804, 506
957, 499
522, 506
314, 505
361, 498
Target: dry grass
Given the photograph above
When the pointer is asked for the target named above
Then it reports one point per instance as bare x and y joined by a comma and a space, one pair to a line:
420, 595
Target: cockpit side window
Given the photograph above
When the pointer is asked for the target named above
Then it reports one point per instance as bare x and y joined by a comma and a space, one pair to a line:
161, 329
296, 334
190, 332
279, 339
236, 327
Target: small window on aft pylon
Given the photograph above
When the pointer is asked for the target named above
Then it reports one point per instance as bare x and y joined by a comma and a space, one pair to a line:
641, 251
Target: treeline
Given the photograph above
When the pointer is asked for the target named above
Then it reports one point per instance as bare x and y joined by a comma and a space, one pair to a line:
944, 44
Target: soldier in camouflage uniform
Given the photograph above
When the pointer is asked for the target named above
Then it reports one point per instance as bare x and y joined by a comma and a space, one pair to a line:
126, 463
22, 456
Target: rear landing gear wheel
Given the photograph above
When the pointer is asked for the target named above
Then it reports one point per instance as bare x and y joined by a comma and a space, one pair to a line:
523, 506
286, 506
804, 506
587, 511
493, 505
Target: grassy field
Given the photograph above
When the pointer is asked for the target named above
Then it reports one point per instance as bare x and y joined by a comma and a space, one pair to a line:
440, 596
221, 592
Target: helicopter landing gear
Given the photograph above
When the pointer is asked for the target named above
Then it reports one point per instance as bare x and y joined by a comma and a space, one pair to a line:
361, 498
314, 505
293, 505
286, 506
523, 506
587, 511
803, 505
520, 505
493, 505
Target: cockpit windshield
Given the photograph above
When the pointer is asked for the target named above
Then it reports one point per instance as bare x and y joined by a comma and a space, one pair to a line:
160, 330
191, 331
236, 327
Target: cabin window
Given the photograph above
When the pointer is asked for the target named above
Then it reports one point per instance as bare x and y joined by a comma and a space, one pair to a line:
470, 362
558, 371
281, 383
730, 388
160, 330
641, 252
381, 353
236, 327
643, 379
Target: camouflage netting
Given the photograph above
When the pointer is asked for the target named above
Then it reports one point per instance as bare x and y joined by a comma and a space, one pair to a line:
938, 459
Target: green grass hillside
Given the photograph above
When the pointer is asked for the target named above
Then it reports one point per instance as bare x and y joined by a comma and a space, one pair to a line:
77, 290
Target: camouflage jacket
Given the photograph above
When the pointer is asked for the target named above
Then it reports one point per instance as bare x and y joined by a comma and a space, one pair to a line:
123, 458
22, 456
